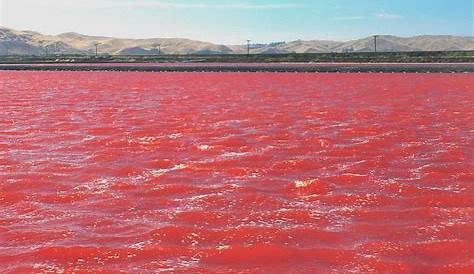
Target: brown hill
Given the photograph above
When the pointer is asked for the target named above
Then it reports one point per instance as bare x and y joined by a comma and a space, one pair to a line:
34, 43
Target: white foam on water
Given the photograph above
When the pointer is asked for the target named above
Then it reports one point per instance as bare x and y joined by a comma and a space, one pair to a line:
205, 147
98, 186
159, 172
234, 154
175, 135
301, 184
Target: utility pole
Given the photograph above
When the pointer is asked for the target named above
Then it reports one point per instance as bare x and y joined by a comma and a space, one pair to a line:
248, 48
156, 49
41, 49
375, 42
96, 49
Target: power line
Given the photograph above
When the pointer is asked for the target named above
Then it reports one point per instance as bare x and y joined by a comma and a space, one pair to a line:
375, 42
157, 48
96, 49
248, 47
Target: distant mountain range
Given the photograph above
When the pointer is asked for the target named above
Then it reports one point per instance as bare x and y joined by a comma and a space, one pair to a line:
34, 43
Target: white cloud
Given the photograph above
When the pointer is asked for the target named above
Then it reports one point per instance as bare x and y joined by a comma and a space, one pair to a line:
386, 15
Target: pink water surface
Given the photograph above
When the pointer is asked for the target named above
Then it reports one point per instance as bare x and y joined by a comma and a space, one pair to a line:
106, 172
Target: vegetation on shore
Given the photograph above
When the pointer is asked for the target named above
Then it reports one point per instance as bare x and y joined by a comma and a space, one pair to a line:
359, 57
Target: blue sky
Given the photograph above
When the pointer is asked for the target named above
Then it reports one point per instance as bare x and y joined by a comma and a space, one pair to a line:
233, 22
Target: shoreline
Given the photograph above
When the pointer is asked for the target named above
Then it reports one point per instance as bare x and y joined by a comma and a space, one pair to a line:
248, 67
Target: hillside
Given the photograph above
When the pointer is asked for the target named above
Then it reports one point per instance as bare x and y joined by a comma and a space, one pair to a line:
34, 43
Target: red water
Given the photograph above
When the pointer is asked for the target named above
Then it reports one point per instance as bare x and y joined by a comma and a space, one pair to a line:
236, 172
